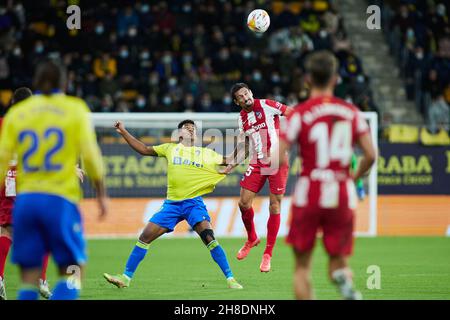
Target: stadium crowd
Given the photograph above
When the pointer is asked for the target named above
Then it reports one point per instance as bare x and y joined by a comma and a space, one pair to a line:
419, 37
176, 55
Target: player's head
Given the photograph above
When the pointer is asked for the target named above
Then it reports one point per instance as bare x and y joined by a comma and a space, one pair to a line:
242, 95
321, 68
20, 94
187, 130
49, 77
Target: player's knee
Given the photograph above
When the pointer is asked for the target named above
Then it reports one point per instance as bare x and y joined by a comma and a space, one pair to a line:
244, 204
146, 237
6, 231
274, 208
207, 236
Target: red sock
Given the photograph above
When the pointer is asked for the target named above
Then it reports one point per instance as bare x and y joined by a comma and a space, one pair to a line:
273, 225
5, 244
247, 218
44, 267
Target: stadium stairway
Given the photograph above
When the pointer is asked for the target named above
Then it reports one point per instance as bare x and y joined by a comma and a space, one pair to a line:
371, 47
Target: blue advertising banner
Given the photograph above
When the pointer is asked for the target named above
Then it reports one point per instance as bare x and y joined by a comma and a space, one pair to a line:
402, 169
413, 169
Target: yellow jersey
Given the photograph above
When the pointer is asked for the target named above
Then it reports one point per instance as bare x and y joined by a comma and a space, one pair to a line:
191, 171
49, 134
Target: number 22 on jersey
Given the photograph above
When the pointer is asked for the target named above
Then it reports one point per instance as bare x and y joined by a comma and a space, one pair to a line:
55, 136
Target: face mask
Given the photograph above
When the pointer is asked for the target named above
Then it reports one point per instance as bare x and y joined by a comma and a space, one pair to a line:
257, 76
187, 9
187, 58
227, 100
360, 79
39, 49
145, 8
246, 54
132, 32
440, 10
167, 100
99, 29
145, 55
124, 54
419, 55
141, 103
410, 33
167, 59
323, 33
275, 78
173, 82
17, 51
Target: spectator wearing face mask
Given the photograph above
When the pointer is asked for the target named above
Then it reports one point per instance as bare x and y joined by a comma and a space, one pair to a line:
188, 103
438, 114
140, 104
167, 65
257, 83
99, 38
19, 67
125, 19
108, 85
126, 65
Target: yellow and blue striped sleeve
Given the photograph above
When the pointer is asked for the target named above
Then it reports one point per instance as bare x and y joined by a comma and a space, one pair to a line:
7, 143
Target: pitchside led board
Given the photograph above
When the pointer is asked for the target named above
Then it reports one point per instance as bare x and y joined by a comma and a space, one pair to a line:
402, 169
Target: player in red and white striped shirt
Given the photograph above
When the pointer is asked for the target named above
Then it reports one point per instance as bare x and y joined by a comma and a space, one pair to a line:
259, 122
325, 130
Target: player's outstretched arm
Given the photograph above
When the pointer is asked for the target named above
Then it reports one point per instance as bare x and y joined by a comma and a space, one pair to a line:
369, 155
239, 154
137, 145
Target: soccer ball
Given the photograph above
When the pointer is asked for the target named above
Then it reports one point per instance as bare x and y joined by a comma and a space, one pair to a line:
258, 21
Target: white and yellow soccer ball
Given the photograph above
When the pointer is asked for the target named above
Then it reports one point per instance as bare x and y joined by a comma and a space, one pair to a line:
258, 21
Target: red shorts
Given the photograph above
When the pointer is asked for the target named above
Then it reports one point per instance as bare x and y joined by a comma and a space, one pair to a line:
254, 181
336, 225
5, 217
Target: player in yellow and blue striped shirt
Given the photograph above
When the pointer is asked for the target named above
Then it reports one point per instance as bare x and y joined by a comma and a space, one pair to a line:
191, 172
48, 133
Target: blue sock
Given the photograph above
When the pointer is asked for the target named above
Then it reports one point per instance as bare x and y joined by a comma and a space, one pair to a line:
65, 291
28, 292
136, 256
220, 258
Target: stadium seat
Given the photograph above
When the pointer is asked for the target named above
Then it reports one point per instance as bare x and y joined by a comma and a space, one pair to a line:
149, 140
399, 133
109, 140
320, 5
438, 139
5, 97
277, 7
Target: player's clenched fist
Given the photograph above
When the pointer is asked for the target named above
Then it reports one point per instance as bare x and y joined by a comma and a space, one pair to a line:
120, 128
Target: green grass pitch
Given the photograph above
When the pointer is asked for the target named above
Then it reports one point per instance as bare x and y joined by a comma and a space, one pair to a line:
182, 269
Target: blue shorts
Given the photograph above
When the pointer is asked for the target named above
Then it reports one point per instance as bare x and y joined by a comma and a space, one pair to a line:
45, 223
171, 212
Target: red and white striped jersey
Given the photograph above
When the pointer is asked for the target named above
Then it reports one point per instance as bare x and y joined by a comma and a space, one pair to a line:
8, 186
325, 130
262, 125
